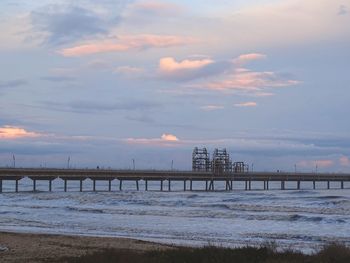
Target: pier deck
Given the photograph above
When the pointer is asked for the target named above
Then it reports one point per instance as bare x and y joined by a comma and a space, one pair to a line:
44, 174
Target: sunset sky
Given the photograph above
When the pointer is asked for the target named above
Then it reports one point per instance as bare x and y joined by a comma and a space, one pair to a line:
108, 81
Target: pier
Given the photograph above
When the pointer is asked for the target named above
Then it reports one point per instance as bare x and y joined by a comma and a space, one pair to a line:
210, 179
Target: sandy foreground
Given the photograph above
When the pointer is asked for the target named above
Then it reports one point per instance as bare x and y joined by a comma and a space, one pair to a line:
18, 247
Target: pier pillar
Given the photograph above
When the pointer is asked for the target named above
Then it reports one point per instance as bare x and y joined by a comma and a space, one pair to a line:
282, 185
314, 184
81, 185
342, 184
109, 185
211, 187
250, 185
50, 185
190, 185
298, 185
246, 185
34, 185
169, 185
16, 186
328, 185
94, 185
120, 184
184, 185
267, 185
161, 185
137, 185
65, 185
0, 186
231, 185
206, 185
146, 185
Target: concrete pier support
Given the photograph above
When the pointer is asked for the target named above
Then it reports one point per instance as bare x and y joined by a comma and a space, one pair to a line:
298, 185
246, 185
146, 185
137, 185
16, 188
328, 185
283, 185
0, 186
206, 185
65, 185
314, 185
169, 185
342, 184
267, 185
190, 185
50, 185
161, 185
120, 184
250, 185
34, 185
81, 185
94, 185
184, 185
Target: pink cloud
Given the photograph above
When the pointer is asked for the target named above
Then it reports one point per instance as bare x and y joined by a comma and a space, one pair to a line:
246, 104
128, 70
156, 8
344, 161
318, 163
245, 58
166, 139
169, 64
211, 107
11, 132
127, 42
243, 79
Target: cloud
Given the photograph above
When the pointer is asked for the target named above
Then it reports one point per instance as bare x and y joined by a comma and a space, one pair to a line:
127, 42
61, 25
342, 10
13, 83
190, 69
318, 163
167, 140
246, 104
245, 58
128, 70
344, 161
211, 107
249, 81
154, 8
12, 132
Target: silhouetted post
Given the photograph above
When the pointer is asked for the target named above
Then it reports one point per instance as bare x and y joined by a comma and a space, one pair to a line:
110, 185
250, 184
314, 184
137, 185
65, 185
246, 185
161, 185
81, 185
34, 185
328, 185
298, 185
16, 186
0, 186
267, 184
264, 185
169, 185
184, 185
94, 185
342, 184
190, 185
146, 185
50, 185
282, 185
231, 185
206, 185
120, 184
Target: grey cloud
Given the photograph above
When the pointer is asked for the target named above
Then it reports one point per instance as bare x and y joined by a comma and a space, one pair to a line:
12, 83
342, 10
66, 24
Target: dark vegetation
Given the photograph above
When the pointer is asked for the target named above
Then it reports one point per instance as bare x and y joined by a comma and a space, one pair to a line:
334, 253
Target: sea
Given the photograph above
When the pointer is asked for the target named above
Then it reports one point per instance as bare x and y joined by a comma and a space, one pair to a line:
303, 220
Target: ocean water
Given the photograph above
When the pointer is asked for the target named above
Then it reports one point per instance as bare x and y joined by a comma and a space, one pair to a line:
303, 220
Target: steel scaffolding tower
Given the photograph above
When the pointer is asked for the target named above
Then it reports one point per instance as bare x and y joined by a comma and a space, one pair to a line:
200, 160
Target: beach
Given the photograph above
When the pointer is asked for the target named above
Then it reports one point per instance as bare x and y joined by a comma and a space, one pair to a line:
30, 248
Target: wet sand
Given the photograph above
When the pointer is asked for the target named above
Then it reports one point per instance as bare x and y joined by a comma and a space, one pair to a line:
29, 248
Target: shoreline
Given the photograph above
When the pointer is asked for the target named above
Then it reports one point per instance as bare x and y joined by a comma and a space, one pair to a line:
33, 247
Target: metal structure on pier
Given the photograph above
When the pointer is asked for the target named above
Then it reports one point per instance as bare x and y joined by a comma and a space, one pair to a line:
200, 160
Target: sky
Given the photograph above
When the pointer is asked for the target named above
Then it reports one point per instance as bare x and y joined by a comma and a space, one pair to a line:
107, 82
